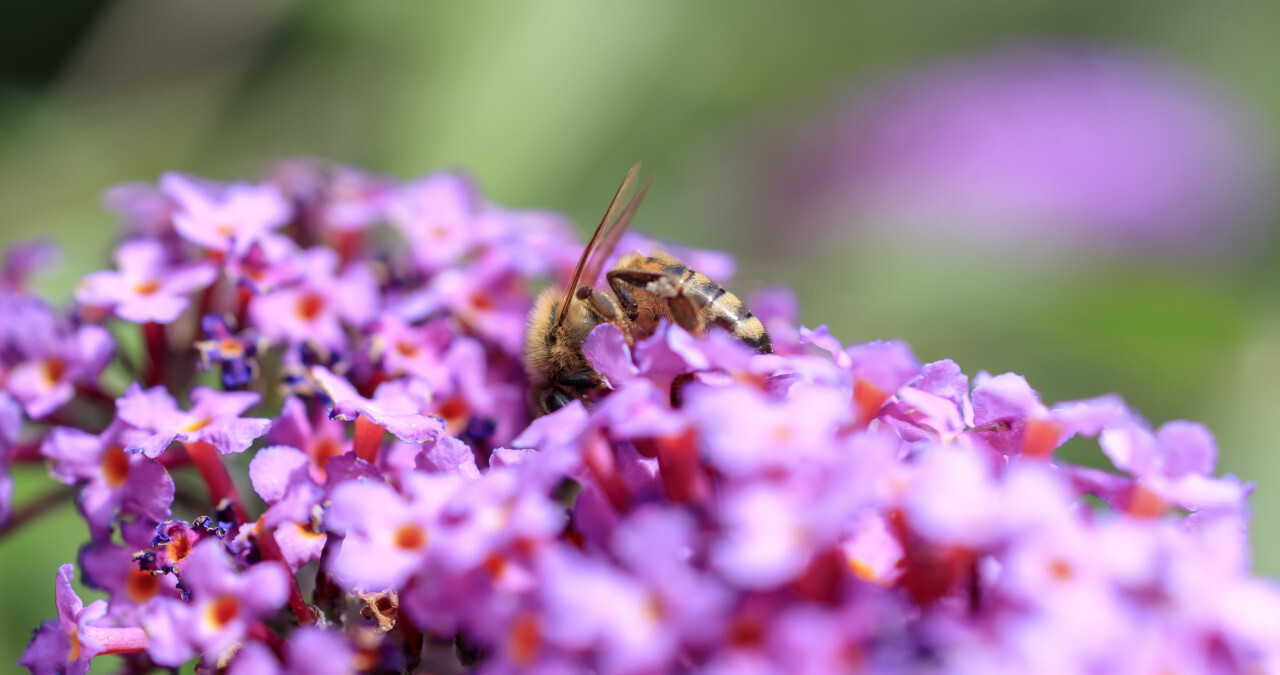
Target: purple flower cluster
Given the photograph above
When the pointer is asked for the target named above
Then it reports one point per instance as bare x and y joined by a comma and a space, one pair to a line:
820, 509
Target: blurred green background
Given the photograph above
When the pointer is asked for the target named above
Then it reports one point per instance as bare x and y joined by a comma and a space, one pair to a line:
548, 103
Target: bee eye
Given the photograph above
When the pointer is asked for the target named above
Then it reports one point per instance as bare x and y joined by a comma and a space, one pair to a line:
556, 400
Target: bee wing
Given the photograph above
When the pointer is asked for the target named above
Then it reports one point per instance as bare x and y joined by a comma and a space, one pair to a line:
613, 232
590, 261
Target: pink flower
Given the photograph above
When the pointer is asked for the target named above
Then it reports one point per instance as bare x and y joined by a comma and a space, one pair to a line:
147, 288
228, 218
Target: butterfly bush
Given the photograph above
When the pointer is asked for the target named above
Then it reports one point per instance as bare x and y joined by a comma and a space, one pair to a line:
350, 344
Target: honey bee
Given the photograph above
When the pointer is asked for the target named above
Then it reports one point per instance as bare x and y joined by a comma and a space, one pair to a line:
642, 289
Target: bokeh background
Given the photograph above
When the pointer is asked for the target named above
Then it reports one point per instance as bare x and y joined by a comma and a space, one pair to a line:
1078, 192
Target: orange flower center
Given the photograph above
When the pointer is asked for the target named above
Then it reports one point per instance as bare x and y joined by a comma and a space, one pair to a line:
115, 466
1060, 570
323, 450
524, 639
409, 537
196, 424
230, 349
222, 611
455, 412
482, 301
309, 306
54, 369
308, 530
178, 548
148, 287
407, 349
142, 586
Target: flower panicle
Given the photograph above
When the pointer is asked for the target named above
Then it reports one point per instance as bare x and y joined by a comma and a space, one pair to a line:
825, 508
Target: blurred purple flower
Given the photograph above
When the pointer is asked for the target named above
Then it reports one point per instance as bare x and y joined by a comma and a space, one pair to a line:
116, 481
51, 359
316, 308
226, 218
1036, 146
147, 287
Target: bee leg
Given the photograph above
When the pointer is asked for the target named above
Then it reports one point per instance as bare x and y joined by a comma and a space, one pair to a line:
599, 303
685, 314
619, 280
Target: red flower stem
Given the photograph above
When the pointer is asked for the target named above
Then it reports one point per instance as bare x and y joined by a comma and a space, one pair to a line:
37, 507
26, 452
157, 352
94, 394
350, 244
243, 295
270, 550
368, 439
260, 632
215, 476
123, 640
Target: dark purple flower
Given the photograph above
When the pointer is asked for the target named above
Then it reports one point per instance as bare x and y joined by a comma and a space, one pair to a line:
235, 354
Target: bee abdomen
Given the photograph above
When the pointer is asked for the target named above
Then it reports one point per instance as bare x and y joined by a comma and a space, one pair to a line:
721, 307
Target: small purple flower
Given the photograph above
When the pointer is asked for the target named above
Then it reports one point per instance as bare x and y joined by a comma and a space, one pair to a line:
436, 214
23, 260
53, 361
764, 434
214, 419
226, 601
280, 475
132, 591
236, 355
394, 407
1175, 464
67, 645
322, 439
593, 607
116, 482
386, 535
144, 210
338, 198
319, 304
227, 218
147, 288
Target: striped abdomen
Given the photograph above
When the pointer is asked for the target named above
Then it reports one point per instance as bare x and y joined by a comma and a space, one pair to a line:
702, 301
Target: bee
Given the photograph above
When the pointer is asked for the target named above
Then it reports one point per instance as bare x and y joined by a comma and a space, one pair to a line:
642, 290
